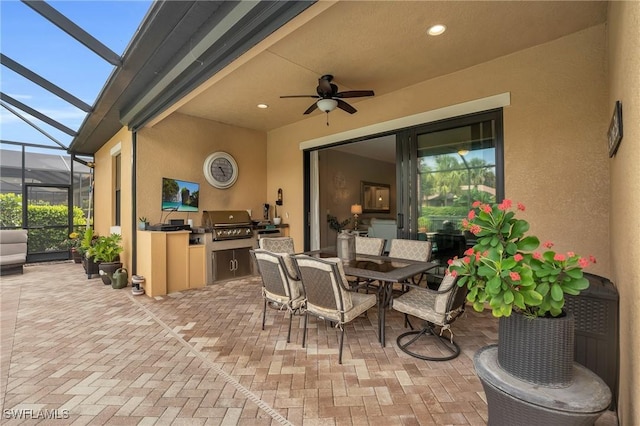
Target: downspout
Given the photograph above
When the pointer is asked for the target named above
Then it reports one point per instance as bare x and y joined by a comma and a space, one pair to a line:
134, 220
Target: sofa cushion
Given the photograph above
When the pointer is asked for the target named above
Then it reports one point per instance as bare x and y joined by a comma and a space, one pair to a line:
13, 246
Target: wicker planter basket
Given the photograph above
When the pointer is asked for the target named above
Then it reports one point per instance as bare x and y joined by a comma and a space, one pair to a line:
537, 350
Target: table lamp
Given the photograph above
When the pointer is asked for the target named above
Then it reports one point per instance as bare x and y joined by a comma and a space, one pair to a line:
356, 209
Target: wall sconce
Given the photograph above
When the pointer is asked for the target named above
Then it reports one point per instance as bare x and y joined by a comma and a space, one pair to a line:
356, 209
279, 199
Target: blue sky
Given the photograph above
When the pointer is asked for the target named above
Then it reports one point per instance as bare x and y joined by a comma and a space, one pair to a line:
34, 42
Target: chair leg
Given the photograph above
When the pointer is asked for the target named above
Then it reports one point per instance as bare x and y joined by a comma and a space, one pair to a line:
341, 342
264, 313
304, 333
451, 347
289, 333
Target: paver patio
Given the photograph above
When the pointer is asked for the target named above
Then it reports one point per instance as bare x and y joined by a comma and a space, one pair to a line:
72, 346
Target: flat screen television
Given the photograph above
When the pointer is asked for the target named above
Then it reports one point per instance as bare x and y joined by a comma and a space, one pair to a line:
180, 195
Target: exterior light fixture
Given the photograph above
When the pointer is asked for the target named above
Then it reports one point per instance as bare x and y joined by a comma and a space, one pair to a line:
263, 106
436, 30
463, 151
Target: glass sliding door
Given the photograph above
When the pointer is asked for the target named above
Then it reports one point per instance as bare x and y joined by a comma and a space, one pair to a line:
452, 163
434, 171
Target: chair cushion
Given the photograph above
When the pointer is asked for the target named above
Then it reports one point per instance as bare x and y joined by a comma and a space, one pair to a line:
418, 302
277, 244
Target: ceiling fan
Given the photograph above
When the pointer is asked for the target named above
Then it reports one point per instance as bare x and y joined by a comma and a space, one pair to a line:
329, 98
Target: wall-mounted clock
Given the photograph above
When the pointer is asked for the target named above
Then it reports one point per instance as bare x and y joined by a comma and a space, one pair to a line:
220, 170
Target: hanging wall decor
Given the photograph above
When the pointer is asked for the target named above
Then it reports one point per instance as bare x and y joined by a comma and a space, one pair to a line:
615, 129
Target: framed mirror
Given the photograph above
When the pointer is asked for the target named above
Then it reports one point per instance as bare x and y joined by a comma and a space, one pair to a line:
375, 197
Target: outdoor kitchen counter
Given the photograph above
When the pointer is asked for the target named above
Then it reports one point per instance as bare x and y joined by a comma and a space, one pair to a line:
169, 263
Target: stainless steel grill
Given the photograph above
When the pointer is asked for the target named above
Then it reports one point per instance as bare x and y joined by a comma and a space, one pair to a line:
227, 224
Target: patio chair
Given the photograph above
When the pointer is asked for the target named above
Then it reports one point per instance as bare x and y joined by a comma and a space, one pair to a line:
438, 308
369, 246
327, 294
277, 244
279, 287
411, 250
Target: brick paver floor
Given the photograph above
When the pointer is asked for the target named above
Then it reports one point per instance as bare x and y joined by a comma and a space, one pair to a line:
84, 353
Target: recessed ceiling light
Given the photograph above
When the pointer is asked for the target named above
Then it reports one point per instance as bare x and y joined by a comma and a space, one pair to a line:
263, 106
436, 30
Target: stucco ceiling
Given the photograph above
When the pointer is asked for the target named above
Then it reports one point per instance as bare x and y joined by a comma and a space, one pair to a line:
379, 45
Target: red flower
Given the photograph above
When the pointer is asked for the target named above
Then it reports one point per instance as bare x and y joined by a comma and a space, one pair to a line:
592, 259
469, 251
559, 257
583, 262
570, 254
548, 244
518, 257
467, 260
454, 273
486, 208
472, 214
505, 205
521, 207
537, 255
476, 204
475, 229
514, 276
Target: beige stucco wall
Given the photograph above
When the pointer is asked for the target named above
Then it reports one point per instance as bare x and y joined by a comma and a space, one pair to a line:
623, 32
555, 151
104, 191
177, 147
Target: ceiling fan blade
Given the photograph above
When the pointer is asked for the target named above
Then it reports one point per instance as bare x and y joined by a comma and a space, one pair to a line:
300, 96
355, 94
312, 108
345, 106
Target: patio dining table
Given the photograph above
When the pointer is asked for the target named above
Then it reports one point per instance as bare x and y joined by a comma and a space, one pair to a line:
384, 269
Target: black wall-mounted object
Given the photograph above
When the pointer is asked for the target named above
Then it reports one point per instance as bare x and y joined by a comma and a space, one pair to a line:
279, 199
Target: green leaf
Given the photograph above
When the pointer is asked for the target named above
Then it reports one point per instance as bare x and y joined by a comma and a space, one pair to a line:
512, 248
508, 297
519, 228
556, 292
574, 273
528, 243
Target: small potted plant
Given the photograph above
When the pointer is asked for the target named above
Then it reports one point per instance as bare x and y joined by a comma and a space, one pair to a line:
88, 240
106, 251
525, 288
72, 242
143, 223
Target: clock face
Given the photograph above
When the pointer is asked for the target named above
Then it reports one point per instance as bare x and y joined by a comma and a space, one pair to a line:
220, 170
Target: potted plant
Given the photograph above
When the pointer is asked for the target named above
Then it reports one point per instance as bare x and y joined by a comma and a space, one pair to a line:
335, 224
106, 251
525, 288
88, 239
143, 223
72, 242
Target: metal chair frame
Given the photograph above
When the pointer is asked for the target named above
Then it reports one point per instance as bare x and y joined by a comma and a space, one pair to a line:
455, 306
324, 300
277, 281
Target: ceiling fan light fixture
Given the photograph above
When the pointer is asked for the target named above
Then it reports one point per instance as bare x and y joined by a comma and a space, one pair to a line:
262, 106
327, 105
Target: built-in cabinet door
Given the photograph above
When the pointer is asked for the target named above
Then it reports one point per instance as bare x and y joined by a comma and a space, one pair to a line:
223, 263
242, 259
231, 263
